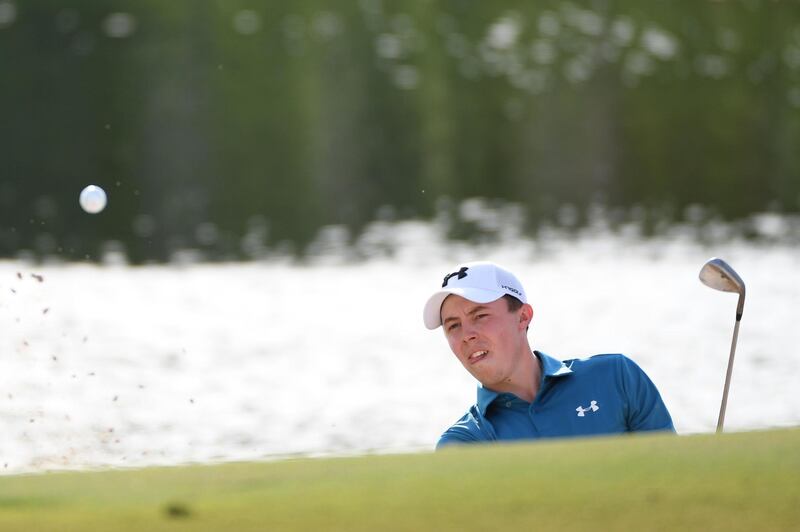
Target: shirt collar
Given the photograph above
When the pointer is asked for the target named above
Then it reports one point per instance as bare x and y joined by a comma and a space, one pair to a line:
551, 368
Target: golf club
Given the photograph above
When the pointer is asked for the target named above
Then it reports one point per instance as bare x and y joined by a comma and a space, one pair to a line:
719, 275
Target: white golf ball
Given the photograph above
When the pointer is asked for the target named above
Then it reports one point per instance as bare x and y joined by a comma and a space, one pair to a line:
93, 199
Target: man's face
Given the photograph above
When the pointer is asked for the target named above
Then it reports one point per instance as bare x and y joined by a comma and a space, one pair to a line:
487, 338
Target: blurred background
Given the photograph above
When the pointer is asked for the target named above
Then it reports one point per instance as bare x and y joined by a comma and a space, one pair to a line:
229, 130
288, 181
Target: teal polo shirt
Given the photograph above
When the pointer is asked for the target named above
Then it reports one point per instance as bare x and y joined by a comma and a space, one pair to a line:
602, 394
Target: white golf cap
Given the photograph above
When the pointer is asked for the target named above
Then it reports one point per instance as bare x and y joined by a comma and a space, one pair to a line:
480, 282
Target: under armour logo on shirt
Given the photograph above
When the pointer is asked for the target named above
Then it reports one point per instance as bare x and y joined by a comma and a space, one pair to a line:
592, 408
460, 273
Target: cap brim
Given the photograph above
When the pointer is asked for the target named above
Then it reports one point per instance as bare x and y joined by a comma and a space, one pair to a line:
432, 315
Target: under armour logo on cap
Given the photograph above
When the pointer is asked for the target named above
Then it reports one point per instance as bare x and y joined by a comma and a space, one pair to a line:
592, 408
460, 273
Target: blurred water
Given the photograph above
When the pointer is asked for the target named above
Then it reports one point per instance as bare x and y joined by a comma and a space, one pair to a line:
128, 366
683, 112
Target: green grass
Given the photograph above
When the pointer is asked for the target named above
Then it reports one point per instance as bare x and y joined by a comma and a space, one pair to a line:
744, 481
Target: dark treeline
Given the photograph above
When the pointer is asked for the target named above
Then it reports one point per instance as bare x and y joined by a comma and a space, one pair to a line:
235, 127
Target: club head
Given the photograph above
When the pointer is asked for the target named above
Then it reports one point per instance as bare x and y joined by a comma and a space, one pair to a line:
719, 275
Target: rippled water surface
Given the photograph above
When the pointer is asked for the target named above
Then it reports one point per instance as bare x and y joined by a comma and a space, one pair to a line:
127, 366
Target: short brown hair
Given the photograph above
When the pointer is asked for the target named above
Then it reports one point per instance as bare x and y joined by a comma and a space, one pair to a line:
512, 302
514, 305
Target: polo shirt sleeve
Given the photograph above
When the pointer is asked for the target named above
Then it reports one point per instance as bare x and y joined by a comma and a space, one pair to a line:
645, 409
453, 437
465, 430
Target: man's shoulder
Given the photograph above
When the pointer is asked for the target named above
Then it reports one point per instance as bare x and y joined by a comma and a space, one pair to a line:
469, 428
604, 367
597, 362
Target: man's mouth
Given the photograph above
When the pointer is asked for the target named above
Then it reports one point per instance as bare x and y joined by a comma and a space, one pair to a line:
477, 356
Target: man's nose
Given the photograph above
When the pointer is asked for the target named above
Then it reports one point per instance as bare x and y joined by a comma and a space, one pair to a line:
470, 333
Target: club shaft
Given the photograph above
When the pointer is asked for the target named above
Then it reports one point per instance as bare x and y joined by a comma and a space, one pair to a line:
728, 374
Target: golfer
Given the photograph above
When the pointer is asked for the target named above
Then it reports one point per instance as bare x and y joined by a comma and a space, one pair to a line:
526, 394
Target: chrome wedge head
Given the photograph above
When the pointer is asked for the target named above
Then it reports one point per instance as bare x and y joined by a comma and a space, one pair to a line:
719, 275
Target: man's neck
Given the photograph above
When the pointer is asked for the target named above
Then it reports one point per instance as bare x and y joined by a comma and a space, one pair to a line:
526, 379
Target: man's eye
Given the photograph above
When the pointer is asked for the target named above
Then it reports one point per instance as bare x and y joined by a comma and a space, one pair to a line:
481, 316
452, 326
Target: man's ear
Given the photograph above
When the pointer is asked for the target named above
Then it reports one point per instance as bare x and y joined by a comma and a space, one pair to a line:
525, 315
